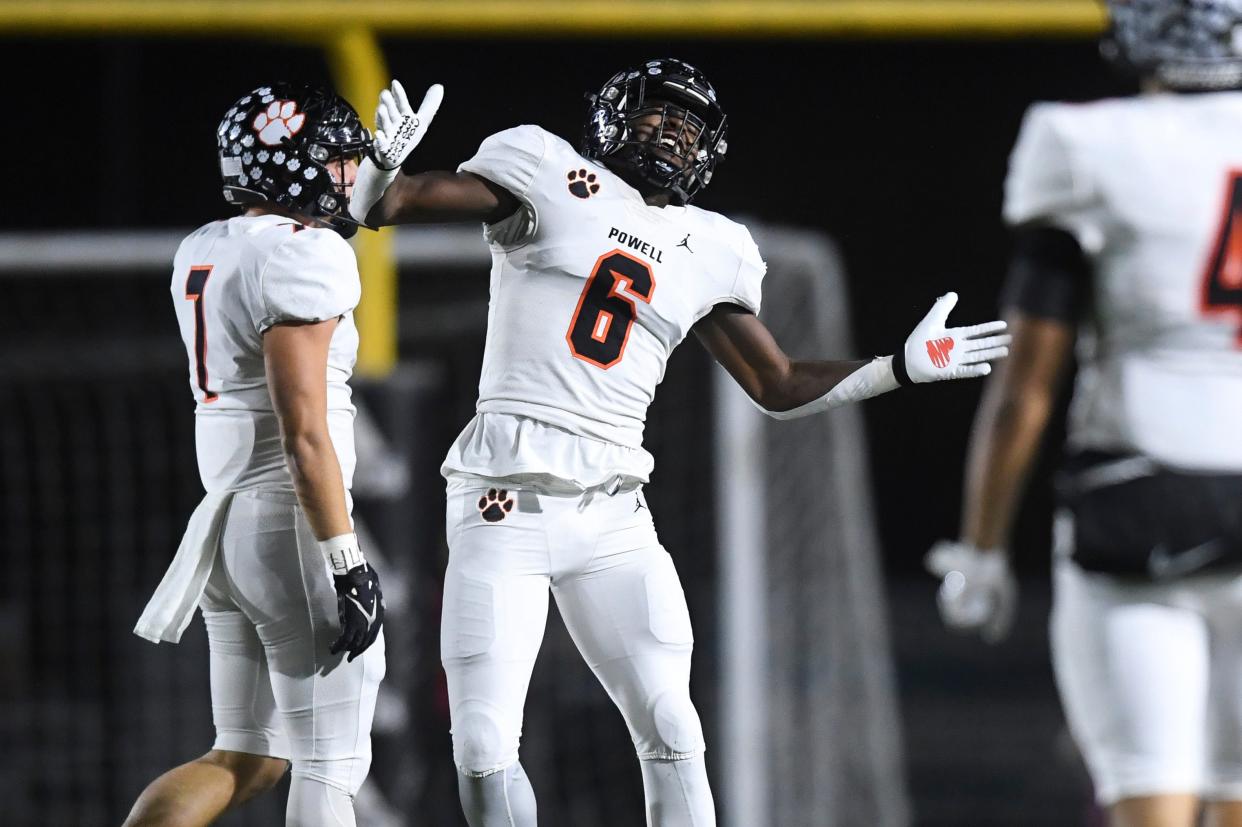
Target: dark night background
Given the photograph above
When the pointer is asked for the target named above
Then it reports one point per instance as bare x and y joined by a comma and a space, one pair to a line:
896, 149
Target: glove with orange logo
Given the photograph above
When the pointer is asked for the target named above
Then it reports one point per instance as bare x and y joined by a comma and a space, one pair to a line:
934, 352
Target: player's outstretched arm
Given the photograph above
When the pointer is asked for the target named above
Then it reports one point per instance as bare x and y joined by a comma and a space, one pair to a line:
296, 361
978, 591
441, 197
744, 346
786, 388
383, 195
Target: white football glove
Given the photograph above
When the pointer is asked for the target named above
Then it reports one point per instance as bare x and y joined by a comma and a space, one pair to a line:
398, 128
978, 592
933, 352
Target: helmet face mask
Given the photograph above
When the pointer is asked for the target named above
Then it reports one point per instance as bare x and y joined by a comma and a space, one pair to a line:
659, 125
289, 146
1189, 45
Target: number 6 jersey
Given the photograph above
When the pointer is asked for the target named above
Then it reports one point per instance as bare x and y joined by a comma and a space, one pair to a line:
1152, 189
591, 289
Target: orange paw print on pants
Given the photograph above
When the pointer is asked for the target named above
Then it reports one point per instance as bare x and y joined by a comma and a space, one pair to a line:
495, 505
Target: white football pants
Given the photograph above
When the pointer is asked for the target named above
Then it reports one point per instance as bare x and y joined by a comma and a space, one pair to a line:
617, 592
1150, 676
270, 611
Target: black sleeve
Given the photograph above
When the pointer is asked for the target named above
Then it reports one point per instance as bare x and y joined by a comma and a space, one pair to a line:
1049, 276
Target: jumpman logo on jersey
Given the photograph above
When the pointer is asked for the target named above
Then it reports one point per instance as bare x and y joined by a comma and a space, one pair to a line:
685, 242
638, 502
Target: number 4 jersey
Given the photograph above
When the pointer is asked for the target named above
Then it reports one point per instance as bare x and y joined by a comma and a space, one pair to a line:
232, 280
1150, 187
591, 290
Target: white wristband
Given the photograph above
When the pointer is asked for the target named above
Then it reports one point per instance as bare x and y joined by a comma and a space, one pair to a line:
872, 379
369, 186
342, 553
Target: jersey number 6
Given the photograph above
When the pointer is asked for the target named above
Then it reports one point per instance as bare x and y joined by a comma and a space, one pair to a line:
1222, 282
601, 325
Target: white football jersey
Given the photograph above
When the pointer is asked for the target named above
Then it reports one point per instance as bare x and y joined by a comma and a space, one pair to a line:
591, 289
1152, 188
231, 281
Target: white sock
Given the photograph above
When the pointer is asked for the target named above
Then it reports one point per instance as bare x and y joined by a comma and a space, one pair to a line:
678, 794
502, 799
313, 803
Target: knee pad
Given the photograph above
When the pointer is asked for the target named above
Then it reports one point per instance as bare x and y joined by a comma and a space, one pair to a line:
483, 743
312, 803
344, 774
675, 730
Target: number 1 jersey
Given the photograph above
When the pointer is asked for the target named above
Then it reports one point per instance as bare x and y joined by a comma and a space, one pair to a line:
232, 280
1151, 187
591, 290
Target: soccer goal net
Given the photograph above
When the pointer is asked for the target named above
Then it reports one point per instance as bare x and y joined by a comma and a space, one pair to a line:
809, 723
769, 523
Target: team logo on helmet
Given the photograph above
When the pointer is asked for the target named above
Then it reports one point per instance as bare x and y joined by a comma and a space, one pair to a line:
279, 122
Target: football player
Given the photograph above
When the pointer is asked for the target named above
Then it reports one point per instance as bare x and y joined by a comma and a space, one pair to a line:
600, 269
293, 610
1127, 216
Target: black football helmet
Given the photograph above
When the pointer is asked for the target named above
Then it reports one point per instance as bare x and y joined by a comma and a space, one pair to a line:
277, 144
1190, 45
659, 126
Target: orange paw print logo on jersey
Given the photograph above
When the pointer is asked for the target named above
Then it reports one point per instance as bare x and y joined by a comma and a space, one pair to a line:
938, 350
582, 183
279, 121
495, 505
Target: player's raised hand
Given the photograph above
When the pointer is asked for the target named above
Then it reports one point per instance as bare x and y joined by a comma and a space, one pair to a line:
978, 592
398, 128
360, 607
934, 352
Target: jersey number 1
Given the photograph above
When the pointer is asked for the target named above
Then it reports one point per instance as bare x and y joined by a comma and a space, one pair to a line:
1222, 283
601, 324
194, 286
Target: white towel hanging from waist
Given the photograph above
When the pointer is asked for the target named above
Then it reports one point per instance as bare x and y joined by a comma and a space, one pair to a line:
172, 605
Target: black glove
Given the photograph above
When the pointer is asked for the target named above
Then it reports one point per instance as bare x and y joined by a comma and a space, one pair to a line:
360, 606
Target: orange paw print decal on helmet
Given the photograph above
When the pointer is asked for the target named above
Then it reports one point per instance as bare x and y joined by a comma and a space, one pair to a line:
279, 121
582, 184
